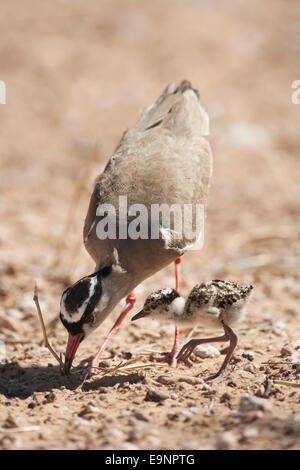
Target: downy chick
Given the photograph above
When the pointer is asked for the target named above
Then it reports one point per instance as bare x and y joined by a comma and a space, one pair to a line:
213, 304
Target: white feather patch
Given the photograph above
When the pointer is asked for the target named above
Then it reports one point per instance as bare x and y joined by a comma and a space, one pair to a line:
76, 316
177, 306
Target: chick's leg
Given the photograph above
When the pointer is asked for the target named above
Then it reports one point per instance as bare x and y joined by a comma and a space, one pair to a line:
233, 339
229, 335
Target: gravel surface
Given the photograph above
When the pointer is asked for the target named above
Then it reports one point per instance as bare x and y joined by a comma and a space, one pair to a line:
79, 74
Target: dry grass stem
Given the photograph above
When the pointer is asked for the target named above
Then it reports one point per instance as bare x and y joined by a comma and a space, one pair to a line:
127, 366
46, 342
285, 382
21, 429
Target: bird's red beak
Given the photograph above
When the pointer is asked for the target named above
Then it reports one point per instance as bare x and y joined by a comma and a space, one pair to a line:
72, 346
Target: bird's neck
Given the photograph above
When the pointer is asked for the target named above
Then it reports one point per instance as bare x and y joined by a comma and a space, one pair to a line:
117, 286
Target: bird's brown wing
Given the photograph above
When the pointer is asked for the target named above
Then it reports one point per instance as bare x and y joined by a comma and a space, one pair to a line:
163, 160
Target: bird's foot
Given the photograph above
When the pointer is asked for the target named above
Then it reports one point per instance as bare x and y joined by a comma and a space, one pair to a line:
94, 371
188, 362
214, 376
90, 370
167, 357
171, 359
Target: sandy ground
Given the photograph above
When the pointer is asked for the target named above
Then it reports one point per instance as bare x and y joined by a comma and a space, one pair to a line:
79, 74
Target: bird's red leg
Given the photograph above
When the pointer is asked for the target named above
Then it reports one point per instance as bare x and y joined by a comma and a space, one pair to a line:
174, 352
171, 357
177, 273
130, 300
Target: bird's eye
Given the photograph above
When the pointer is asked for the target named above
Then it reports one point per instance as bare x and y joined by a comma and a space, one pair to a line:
90, 319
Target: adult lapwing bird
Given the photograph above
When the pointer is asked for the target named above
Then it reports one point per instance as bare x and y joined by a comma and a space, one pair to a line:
214, 304
163, 162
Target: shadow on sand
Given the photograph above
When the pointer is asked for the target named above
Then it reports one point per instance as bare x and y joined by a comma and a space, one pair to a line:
22, 382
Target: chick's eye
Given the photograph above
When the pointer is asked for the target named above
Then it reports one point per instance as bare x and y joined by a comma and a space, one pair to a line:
90, 319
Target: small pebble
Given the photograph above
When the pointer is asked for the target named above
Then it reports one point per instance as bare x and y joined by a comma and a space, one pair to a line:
225, 397
88, 411
77, 422
190, 380
49, 397
42, 351
248, 355
32, 404
250, 368
286, 351
260, 392
153, 441
138, 430
11, 421
115, 433
296, 344
166, 380
193, 409
252, 403
127, 446
155, 395
226, 441
205, 387
250, 432
8, 324
190, 444
140, 416
10, 442
186, 413
104, 363
172, 416
206, 351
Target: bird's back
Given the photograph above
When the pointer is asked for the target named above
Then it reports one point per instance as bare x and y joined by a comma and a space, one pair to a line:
164, 159
217, 300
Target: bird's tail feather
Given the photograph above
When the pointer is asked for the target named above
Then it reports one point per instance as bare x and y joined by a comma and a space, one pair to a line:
178, 109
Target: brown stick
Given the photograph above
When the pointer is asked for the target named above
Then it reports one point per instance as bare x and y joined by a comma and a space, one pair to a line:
285, 382
279, 363
46, 342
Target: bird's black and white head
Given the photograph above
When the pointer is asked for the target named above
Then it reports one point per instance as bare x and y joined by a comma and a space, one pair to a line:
80, 306
162, 304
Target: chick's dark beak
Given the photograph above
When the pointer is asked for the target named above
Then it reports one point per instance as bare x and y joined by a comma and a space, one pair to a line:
139, 315
72, 346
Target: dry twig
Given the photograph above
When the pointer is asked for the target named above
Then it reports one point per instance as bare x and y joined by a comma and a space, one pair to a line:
285, 382
125, 367
21, 429
46, 342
